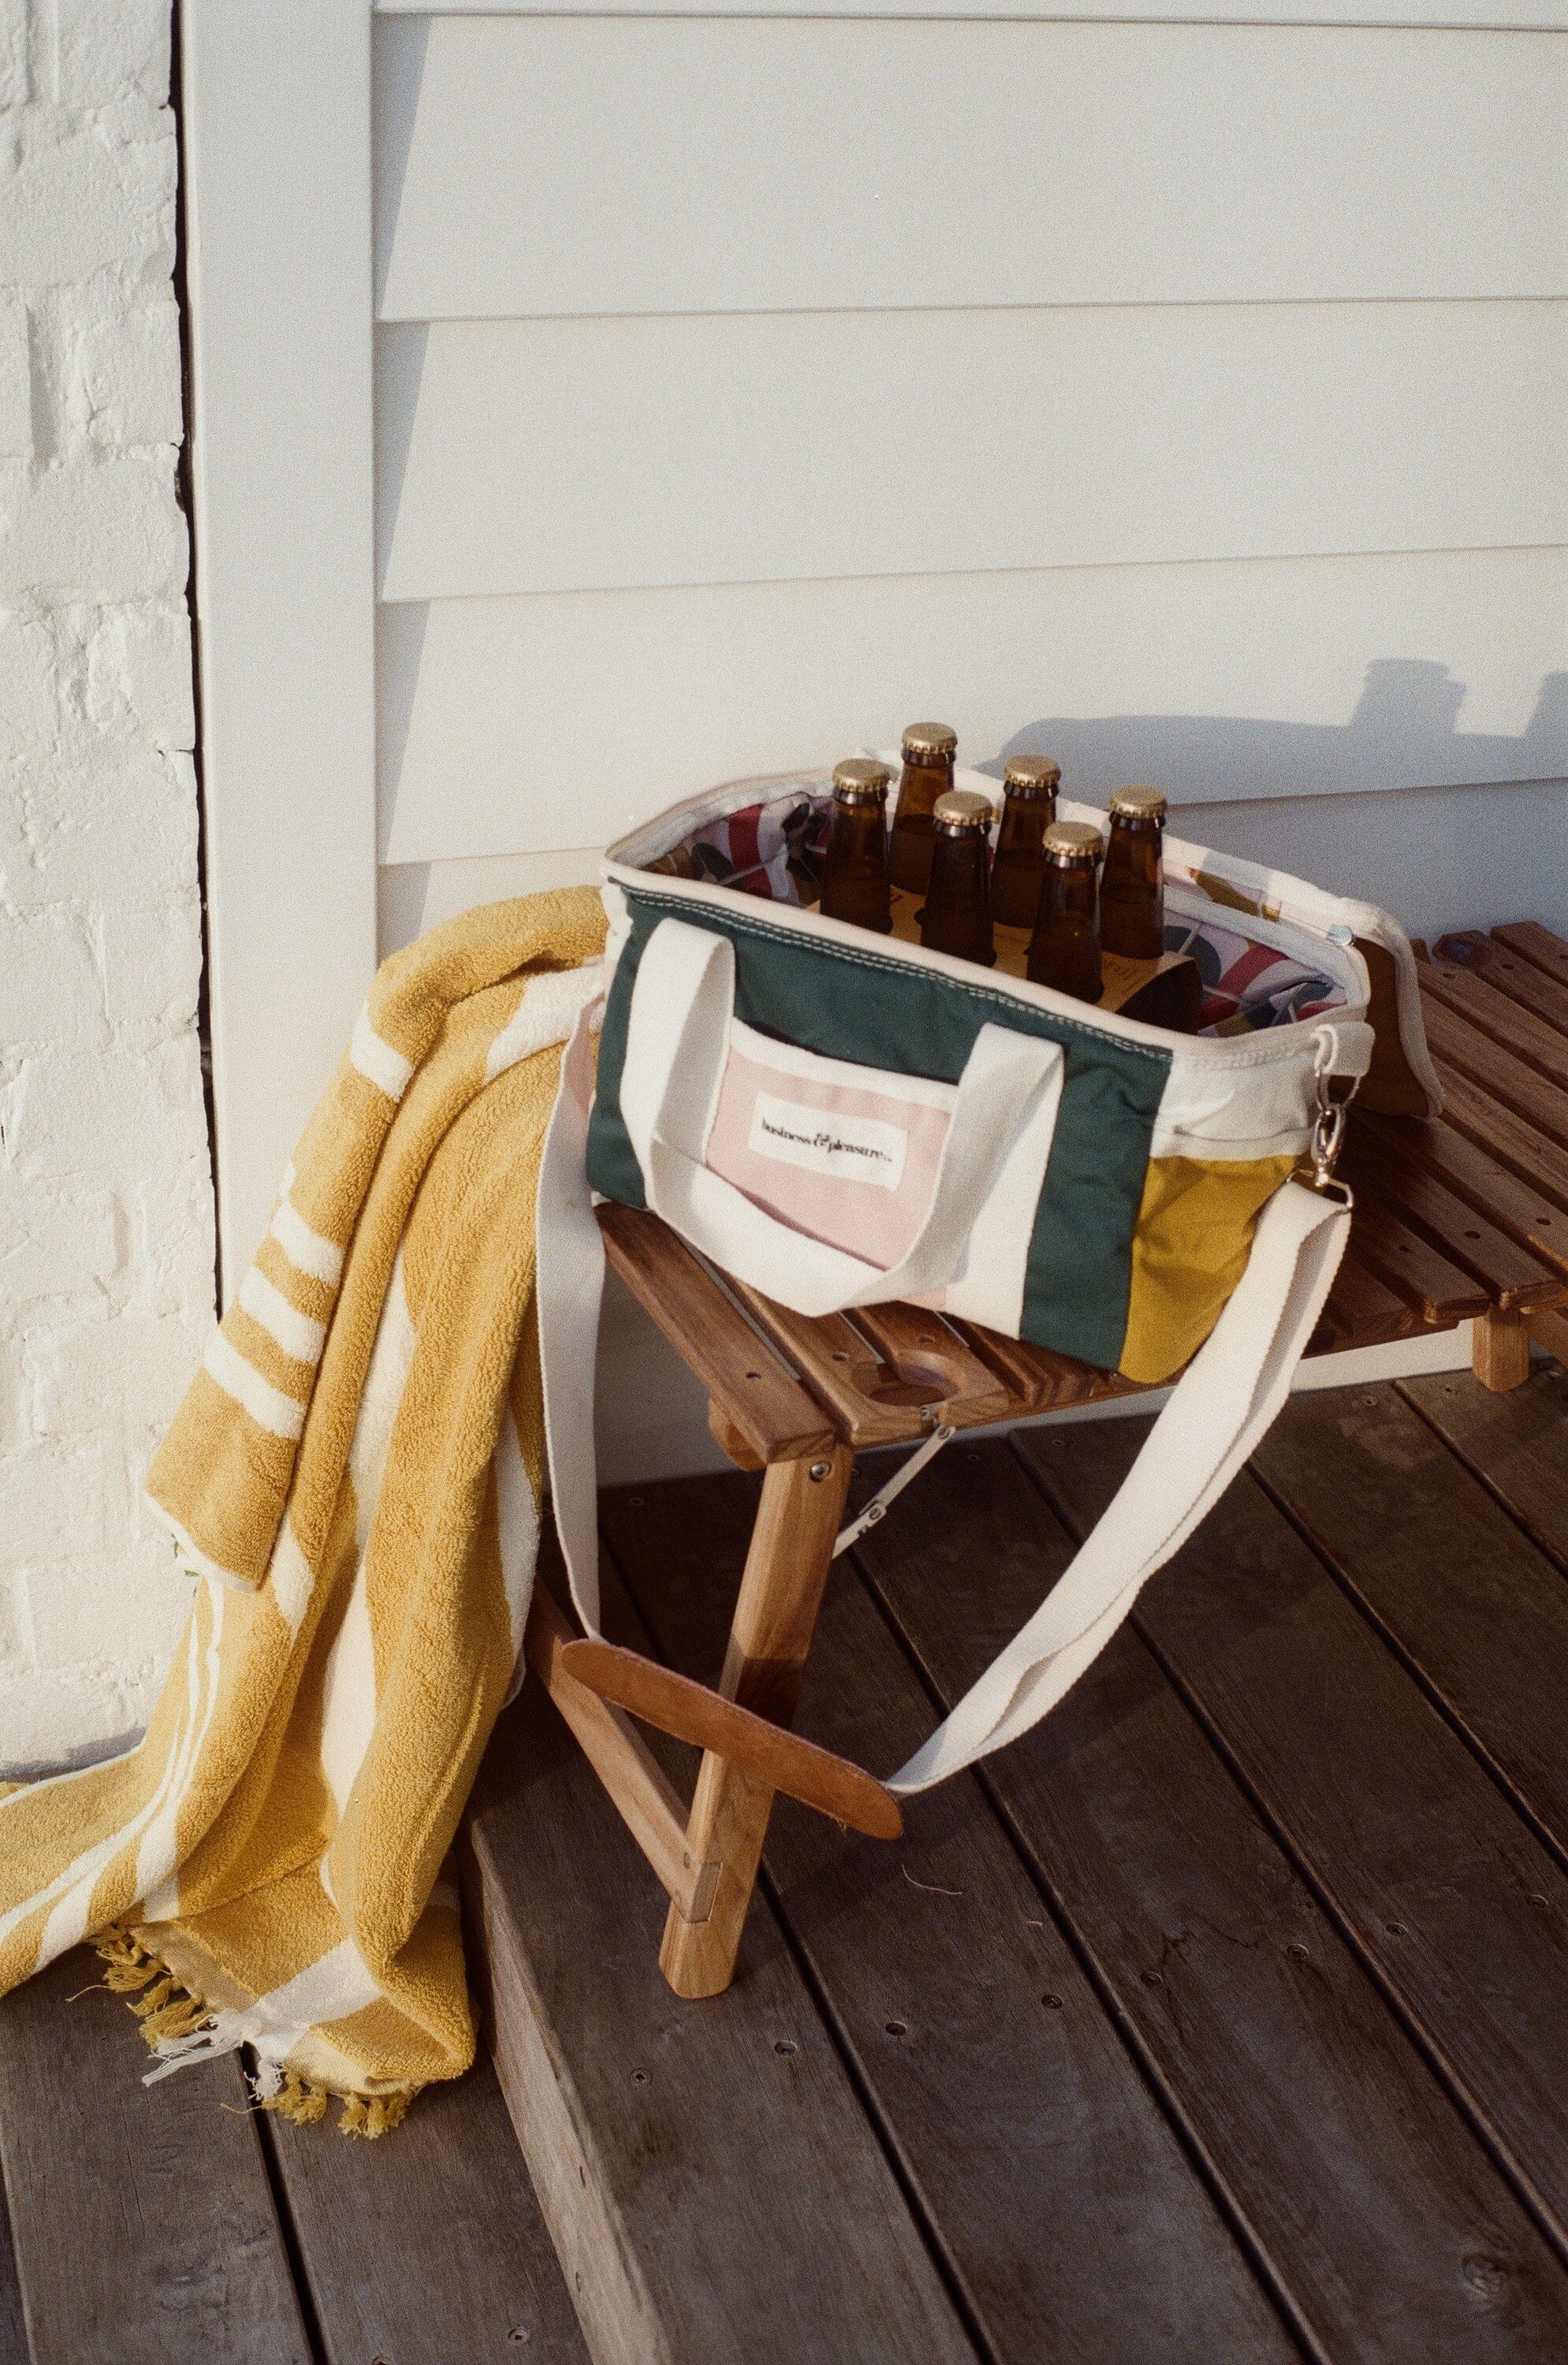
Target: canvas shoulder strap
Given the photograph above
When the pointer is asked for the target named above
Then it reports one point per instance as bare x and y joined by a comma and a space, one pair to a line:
1215, 1415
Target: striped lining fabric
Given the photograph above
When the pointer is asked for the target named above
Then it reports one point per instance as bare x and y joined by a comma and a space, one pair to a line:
358, 1462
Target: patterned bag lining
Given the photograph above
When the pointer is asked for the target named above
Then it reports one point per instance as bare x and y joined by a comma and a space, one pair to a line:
775, 850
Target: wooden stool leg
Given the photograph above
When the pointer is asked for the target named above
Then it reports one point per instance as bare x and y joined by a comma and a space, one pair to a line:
781, 1591
1499, 1353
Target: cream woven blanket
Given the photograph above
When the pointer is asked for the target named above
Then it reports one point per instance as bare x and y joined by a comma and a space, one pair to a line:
353, 1481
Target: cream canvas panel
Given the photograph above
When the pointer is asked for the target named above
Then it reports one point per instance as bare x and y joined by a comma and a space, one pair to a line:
705, 165
539, 456
527, 726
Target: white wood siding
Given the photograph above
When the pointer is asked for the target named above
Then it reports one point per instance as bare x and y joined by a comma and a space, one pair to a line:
1440, 15
1186, 396
613, 165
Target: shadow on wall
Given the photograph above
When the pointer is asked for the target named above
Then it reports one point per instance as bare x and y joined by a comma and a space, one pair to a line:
1403, 730
1482, 839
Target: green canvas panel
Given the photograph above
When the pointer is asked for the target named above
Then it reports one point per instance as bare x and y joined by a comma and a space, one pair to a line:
846, 1003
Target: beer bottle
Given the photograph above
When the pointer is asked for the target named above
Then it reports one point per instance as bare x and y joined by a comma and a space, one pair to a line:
1065, 948
855, 868
956, 916
1030, 809
1132, 886
929, 752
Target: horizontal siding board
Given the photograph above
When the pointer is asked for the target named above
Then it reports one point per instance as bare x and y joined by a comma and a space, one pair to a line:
534, 167
1439, 15
554, 455
523, 725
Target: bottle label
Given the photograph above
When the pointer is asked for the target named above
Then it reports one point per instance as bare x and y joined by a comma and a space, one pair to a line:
850, 1147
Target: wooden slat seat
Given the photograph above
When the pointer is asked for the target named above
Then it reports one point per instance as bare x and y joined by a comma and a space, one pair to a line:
1461, 1218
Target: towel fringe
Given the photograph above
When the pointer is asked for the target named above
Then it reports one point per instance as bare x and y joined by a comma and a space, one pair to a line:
182, 2029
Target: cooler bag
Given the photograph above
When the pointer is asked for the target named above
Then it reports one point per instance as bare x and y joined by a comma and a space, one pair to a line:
839, 1118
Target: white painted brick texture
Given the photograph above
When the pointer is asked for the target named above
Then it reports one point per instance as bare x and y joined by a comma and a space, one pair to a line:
105, 1200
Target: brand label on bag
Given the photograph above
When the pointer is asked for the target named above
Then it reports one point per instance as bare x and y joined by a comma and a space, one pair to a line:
826, 1141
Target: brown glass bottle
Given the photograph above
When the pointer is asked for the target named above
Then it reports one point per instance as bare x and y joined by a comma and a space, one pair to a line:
955, 916
929, 752
1064, 950
855, 867
1132, 885
1028, 813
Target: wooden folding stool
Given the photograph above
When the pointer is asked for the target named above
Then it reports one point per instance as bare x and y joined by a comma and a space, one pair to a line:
1465, 1218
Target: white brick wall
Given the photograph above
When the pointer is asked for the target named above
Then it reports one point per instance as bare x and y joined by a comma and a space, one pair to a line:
106, 1202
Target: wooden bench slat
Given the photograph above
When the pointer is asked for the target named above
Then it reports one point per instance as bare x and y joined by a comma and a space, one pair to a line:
1456, 1043
1469, 995
1505, 1139
1539, 945
1527, 987
842, 1367
1513, 1276
918, 1344
776, 1415
1362, 1311
1433, 1146
1407, 1261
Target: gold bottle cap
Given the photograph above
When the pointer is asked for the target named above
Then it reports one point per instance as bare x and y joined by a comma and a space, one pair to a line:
961, 810
860, 780
1073, 841
930, 739
1139, 804
1032, 776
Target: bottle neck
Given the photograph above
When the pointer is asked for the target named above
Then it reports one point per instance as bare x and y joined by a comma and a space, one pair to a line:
1024, 820
922, 781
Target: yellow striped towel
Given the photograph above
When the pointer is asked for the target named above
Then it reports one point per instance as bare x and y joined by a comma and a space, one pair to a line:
354, 1480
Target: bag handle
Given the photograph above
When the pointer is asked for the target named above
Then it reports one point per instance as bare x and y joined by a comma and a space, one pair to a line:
677, 1041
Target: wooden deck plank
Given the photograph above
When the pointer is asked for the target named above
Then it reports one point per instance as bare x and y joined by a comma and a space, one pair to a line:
1517, 1443
12, 2331
431, 2246
143, 2222
1395, 2235
707, 2173
1437, 1881
1069, 2217
1442, 1569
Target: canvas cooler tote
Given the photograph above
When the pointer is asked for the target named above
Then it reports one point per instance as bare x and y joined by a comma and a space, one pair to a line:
839, 1119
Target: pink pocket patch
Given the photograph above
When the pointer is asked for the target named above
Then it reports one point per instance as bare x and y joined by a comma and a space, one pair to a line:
852, 1163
